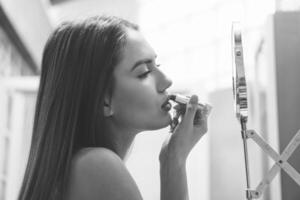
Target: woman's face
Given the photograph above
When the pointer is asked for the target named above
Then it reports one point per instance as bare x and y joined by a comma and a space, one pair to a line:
140, 87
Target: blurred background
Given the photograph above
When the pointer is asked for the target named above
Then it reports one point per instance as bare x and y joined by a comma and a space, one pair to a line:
193, 41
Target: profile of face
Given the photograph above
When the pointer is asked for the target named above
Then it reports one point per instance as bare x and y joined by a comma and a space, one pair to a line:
139, 88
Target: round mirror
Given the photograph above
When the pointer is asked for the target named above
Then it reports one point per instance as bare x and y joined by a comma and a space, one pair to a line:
238, 74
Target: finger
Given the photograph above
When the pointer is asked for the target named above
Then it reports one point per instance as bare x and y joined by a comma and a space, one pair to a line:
180, 108
198, 116
174, 124
200, 122
177, 107
191, 109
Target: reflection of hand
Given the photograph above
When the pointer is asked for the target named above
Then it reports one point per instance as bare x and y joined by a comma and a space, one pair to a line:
187, 133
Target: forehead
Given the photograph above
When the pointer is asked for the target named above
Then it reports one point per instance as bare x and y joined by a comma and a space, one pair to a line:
136, 48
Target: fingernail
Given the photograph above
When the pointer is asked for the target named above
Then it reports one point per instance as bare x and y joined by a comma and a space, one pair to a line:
194, 99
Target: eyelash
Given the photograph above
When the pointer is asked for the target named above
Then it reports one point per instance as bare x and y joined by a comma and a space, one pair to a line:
144, 75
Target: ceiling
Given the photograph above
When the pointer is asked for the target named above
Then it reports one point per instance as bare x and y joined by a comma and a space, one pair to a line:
53, 2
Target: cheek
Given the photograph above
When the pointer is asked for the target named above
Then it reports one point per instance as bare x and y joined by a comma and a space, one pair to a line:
132, 93
134, 101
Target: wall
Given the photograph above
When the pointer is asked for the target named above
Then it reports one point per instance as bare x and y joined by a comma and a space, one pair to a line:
70, 10
287, 51
31, 23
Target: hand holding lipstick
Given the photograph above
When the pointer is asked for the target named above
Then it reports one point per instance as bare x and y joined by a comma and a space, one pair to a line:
187, 131
180, 108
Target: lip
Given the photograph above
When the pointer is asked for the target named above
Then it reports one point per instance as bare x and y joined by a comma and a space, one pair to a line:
166, 100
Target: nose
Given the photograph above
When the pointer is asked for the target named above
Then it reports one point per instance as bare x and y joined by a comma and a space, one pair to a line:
163, 82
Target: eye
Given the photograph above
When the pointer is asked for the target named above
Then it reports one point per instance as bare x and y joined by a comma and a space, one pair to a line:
144, 75
150, 65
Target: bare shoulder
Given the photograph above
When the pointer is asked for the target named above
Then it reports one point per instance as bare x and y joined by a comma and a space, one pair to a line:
98, 173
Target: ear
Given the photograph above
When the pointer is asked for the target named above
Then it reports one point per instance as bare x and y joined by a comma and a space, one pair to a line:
107, 108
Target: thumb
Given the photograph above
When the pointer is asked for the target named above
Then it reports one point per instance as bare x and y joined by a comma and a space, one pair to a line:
191, 109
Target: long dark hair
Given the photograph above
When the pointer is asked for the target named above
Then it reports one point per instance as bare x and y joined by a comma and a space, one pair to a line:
77, 71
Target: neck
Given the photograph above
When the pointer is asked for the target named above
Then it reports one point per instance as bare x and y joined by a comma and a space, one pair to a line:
122, 138
123, 144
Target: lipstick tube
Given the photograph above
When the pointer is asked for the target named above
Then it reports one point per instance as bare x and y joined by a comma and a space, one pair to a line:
178, 98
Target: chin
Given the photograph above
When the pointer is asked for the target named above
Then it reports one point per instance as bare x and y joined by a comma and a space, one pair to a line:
159, 122
154, 128
162, 123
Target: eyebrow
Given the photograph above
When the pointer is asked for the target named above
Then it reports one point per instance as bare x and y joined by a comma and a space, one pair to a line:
143, 61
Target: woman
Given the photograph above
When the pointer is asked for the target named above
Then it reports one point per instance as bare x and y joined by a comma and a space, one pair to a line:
99, 88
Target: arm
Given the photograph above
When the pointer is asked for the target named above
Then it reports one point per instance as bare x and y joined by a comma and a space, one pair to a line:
98, 173
173, 180
176, 149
